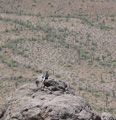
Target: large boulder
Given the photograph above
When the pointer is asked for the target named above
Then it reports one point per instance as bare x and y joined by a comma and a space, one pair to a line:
107, 116
52, 100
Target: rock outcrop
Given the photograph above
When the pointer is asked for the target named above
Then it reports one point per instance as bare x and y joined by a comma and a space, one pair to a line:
107, 116
52, 100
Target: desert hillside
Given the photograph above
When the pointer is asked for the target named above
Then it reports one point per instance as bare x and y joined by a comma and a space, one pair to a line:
75, 40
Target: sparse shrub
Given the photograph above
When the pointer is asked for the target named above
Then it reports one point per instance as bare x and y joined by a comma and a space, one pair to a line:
18, 79
7, 30
88, 56
113, 93
96, 65
52, 6
94, 43
114, 64
25, 49
86, 52
90, 62
83, 56
16, 84
94, 107
105, 64
111, 71
102, 26
28, 66
49, 3
33, 5
112, 19
0, 48
34, 39
1, 56
110, 110
93, 48
20, 76
111, 14
20, 52
103, 57
102, 81
69, 65
107, 94
1, 18
11, 63
82, 79
74, 83
5, 51
25, 55
80, 88
14, 69
58, 75
114, 60
100, 109
96, 94
76, 40
89, 90
35, 69
97, 58
72, 87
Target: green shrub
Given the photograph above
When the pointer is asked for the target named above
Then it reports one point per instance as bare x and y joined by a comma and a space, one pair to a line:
111, 71
100, 109
97, 58
82, 56
111, 14
28, 66
33, 5
88, 56
114, 64
89, 62
20, 52
112, 19
102, 81
74, 83
107, 94
89, 90
7, 30
94, 107
11, 63
69, 65
80, 88
110, 110
58, 75
96, 94
25, 55
1, 56
49, 3
16, 84
35, 69
105, 64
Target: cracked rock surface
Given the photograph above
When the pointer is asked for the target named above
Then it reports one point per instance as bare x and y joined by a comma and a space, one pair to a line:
52, 100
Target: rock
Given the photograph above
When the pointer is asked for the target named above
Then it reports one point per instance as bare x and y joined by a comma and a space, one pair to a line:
52, 100
107, 116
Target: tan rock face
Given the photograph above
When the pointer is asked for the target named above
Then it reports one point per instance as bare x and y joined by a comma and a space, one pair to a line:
50, 101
